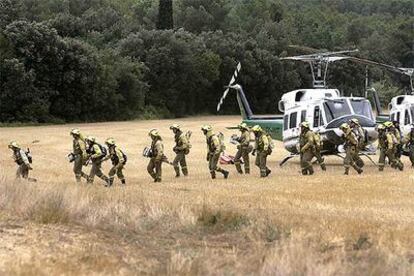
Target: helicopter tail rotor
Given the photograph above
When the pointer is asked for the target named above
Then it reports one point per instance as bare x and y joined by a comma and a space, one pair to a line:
232, 81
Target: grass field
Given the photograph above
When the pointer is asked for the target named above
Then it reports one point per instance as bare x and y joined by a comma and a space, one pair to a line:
287, 224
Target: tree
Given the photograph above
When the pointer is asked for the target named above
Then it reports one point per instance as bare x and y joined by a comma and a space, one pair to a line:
165, 15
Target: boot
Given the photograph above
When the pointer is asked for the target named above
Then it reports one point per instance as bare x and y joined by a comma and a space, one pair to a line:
246, 170
323, 167
238, 168
381, 169
268, 171
360, 171
123, 182
304, 172
310, 170
346, 171
110, 182
177, 171
226, 174
185, 171
213, 175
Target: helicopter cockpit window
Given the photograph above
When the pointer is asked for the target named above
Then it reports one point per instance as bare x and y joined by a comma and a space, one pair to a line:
362, 107
336, 109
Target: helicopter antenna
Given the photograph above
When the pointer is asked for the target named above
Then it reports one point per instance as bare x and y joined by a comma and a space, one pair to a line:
366, 81
319, 64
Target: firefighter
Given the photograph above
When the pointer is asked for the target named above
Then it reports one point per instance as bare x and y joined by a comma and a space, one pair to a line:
118, 159
389, 144
409, 144
307, 148
154, 167
214, 150
317, 151
359, 132
351, 147
243, 149
23, 160
79, 153
262, 150
181, 149
396, 130
96, 154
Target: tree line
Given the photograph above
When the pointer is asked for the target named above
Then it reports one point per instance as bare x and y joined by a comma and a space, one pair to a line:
98, 60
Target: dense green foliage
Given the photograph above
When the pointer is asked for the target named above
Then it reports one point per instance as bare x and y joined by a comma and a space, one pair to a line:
76, 60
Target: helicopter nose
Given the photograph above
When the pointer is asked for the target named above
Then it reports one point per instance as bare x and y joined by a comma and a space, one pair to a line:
363, 121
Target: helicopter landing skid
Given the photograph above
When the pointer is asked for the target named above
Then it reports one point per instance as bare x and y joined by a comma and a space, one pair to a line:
367, 155
287, 158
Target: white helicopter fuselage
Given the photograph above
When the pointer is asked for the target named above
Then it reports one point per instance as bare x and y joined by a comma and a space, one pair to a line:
325, 110
402, 110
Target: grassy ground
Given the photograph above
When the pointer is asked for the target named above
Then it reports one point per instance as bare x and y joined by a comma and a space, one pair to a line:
285, 225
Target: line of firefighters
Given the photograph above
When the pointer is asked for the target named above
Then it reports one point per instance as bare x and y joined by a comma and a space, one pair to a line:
86, 150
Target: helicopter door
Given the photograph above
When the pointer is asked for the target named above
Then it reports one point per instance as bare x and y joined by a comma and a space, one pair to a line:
407, 119
317, 116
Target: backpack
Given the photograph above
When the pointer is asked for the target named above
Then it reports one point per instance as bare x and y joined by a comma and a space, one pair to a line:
29, 156
124, 156
188, 136
220, 136
271, 143
104, 151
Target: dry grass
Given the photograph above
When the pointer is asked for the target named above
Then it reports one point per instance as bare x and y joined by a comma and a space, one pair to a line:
285, 225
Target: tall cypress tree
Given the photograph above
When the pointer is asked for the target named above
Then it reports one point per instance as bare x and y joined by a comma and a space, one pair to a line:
165, 15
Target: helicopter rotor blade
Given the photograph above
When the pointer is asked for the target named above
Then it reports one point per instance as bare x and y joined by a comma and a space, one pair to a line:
232, 81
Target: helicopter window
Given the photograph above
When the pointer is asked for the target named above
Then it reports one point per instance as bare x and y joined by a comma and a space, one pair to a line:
336, 109
321, 123
286, 122
362, 107
398, 117
392, 117
293, 119
316, 115
406, 118
303, 116
412, 112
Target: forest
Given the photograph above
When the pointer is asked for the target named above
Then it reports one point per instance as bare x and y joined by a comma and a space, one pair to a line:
105, 60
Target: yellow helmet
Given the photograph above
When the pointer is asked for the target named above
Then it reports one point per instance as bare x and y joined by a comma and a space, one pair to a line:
243, 126
175, 126
305, 124
154, 133
380, 127
75, 131
91, 139
257, 128
354, 120
388, 124
344, 126
14, 144
206, 128
110, 142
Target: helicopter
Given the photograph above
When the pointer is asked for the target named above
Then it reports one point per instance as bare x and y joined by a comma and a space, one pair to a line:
401, 107
324, 108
